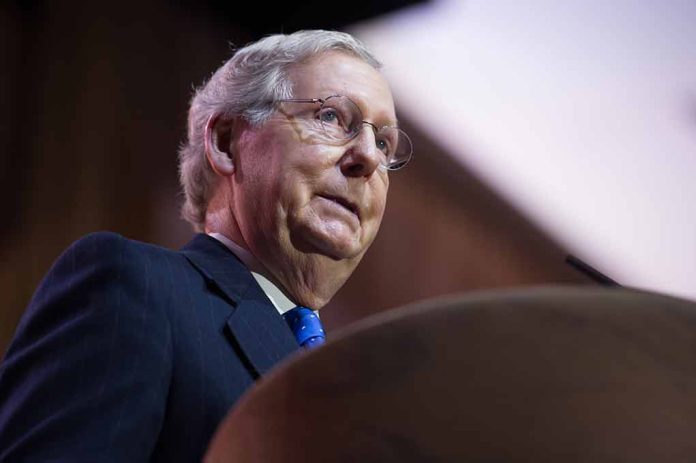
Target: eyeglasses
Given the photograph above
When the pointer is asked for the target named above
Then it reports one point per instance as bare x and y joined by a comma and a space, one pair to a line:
341, 120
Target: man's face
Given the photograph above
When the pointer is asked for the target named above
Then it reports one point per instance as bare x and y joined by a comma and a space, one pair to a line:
294, 191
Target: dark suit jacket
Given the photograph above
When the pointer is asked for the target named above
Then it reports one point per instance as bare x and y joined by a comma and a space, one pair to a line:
130, 353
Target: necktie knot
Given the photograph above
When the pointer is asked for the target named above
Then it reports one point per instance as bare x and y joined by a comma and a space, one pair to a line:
306, 327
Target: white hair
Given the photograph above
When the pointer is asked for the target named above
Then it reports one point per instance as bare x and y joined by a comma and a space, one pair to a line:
247, 86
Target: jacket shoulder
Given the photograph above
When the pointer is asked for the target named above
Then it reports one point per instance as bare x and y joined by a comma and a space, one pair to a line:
96, 336
104, 244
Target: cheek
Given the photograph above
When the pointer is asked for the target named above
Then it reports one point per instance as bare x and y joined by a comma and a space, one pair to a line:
294, 188
379, 201
306, 171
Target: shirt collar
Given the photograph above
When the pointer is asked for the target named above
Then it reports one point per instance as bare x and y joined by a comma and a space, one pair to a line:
279, 300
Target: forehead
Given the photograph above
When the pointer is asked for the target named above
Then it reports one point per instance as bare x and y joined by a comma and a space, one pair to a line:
337, 73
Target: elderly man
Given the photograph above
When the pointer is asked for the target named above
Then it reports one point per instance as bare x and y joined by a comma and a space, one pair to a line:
131, 352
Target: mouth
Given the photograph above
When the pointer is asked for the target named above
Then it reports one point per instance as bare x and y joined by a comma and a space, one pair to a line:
343, 202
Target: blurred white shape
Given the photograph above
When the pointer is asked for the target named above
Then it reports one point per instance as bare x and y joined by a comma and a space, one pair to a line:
580, 113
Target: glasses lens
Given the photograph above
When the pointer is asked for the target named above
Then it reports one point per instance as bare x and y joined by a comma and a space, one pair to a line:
340, 117
396, 146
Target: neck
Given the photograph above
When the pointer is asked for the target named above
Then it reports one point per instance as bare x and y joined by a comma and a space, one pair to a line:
309, 279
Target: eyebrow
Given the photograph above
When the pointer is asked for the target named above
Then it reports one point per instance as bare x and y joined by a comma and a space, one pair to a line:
395, 124
361, 105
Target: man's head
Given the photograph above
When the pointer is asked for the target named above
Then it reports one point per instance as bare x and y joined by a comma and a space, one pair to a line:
291, 181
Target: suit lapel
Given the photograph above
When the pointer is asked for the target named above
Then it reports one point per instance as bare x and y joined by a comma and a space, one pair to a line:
255, 324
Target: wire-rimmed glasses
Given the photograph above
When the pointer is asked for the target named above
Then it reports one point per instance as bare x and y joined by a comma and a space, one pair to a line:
342, 120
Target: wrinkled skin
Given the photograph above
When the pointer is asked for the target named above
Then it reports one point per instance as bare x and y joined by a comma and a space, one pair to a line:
308, 209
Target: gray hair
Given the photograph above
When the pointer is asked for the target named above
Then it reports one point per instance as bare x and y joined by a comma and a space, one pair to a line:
247, 86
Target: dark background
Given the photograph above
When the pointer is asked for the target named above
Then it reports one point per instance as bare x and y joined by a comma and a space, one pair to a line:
93, 101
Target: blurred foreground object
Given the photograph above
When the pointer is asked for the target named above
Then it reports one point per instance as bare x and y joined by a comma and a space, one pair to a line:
544, 374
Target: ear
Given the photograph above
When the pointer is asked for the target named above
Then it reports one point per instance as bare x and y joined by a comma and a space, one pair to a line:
218, 144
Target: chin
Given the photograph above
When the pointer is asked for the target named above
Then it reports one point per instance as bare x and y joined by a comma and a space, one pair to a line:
331, 246
339, 249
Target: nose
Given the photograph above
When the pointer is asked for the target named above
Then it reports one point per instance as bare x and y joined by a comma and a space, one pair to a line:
362, 157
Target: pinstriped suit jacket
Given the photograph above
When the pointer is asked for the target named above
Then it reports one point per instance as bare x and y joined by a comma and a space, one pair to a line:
130, 353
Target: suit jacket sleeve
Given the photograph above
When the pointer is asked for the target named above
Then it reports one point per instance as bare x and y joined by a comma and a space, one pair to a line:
87, 374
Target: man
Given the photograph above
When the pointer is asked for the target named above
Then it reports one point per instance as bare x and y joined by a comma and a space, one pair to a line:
131, 352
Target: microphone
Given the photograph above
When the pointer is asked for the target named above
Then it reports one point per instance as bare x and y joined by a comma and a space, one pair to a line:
590, 271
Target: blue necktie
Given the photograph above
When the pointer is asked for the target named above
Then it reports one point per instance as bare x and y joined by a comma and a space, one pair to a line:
306, 327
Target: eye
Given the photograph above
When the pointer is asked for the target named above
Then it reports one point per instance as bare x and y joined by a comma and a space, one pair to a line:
329, 116
384, 144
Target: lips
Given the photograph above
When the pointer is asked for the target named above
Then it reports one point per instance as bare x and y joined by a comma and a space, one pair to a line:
344, 202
